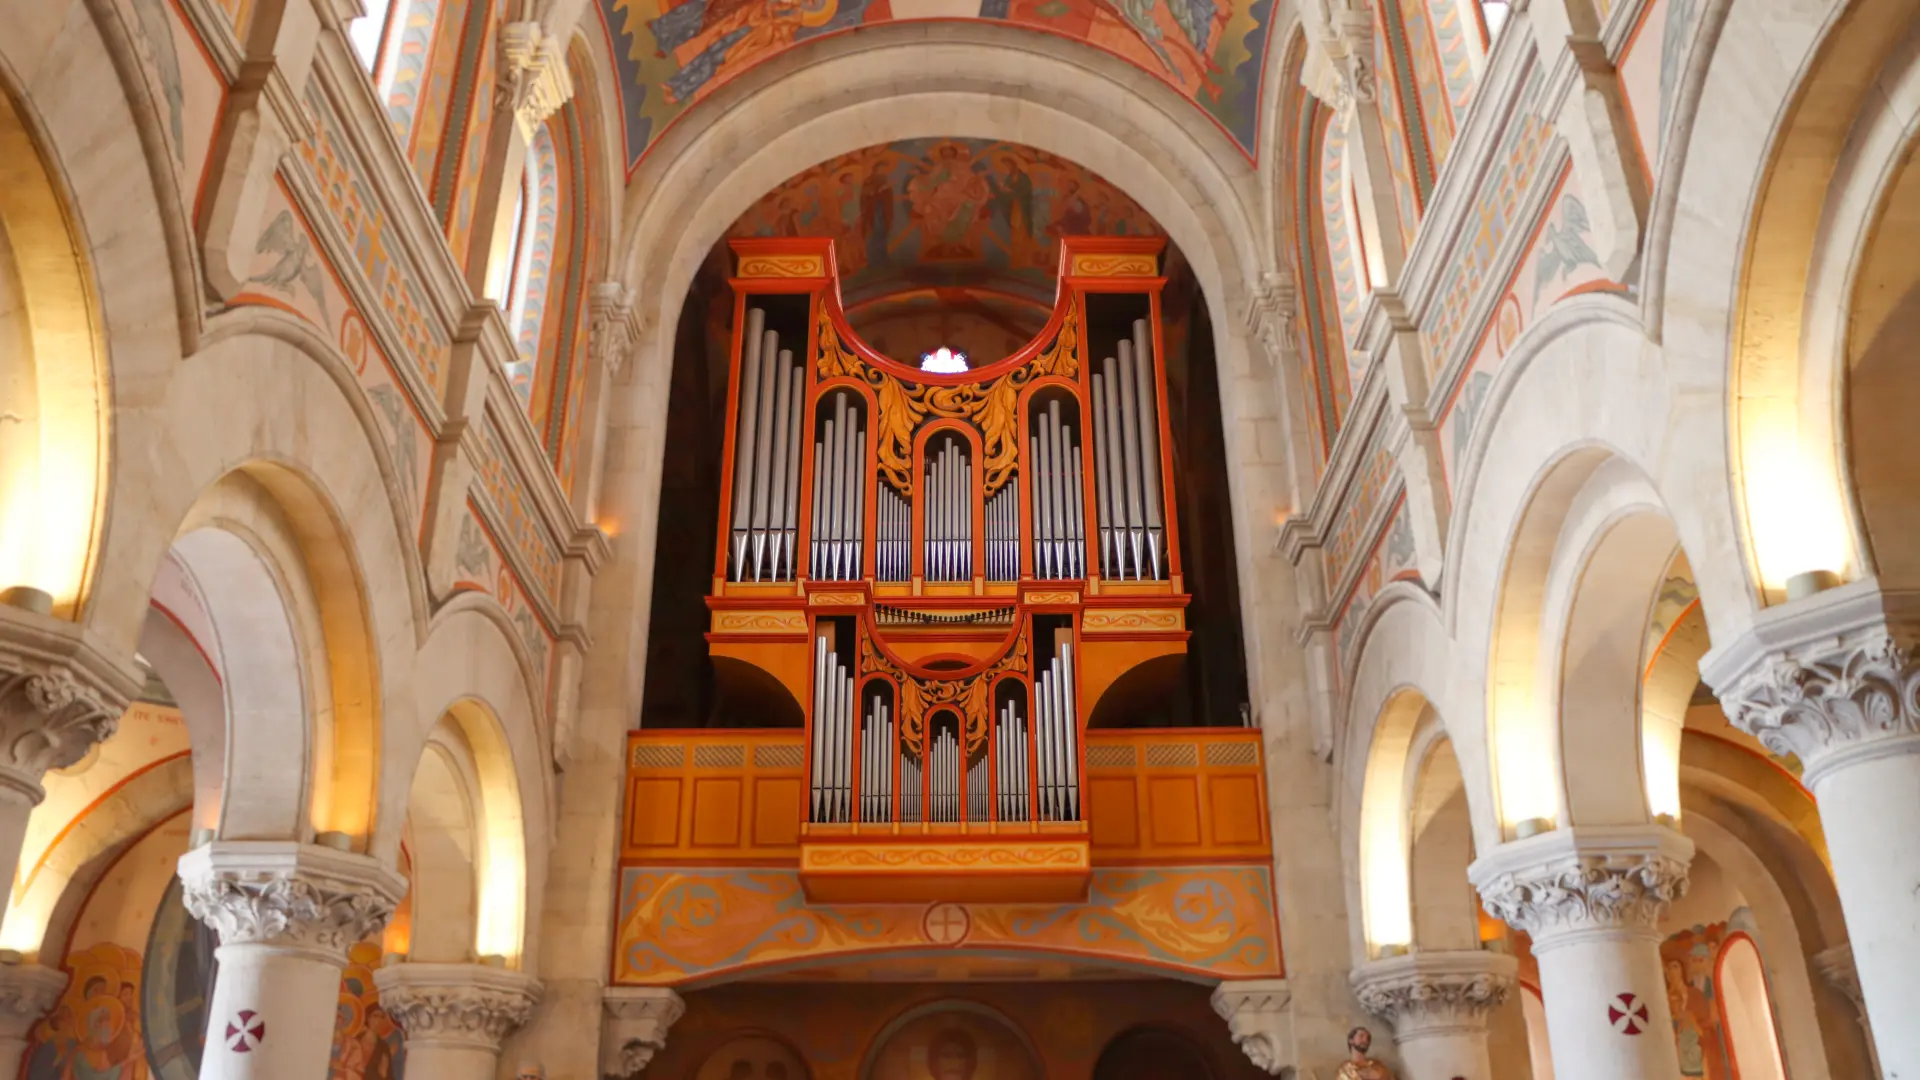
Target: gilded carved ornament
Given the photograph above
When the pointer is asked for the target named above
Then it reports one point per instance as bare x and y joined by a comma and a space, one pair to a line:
972, 695
993, 408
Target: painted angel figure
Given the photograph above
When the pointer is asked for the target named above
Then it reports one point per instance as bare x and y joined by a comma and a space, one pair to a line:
1360, 1066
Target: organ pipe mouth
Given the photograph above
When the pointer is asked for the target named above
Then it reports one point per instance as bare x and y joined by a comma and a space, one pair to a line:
889, 615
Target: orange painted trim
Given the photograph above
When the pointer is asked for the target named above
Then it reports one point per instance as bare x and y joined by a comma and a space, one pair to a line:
27, 882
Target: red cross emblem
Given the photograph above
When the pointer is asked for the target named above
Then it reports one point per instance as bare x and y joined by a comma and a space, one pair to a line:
245, 1032
946, 924
1627, 1014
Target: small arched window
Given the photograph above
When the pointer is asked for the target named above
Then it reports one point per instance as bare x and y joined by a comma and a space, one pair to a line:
520, 269
1746, 1011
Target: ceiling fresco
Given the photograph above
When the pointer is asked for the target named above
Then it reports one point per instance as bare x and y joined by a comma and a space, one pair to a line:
672, 53
978, 215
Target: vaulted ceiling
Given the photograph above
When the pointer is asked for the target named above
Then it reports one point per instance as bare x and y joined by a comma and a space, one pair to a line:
672, 53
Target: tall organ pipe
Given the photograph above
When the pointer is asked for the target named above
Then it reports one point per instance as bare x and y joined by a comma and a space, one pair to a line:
1130, 451
1116, 471
797, 404
857, 560
819, 720
1149, 442
1101, 487
849, 495
1070, 720
1077, 519
777, 435
749, 413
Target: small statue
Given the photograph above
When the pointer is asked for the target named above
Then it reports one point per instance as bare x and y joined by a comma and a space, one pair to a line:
1358, 1065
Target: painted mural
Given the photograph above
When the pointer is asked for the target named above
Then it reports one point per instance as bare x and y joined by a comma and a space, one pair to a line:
673, 53
1691, 959
367, 1043
924, 213
676, 925
954, 1043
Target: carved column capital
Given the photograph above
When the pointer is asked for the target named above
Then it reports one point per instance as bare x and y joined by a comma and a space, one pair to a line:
286, 895
1435, 993
1259, 1016
1562, 884
1831, 678
468, 1006
613, 326
533, 81
638, 1018
59, 695
27, 993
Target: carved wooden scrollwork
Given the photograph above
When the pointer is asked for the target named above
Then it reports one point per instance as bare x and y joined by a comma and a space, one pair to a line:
972, 695
991, 407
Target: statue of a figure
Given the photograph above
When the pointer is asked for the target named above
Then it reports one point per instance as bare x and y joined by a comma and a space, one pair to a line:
1358, 1065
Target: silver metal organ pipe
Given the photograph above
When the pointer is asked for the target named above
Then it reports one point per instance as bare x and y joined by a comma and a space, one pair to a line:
953, 512
743, 443
1149, 445
1130, 450
763, 447
1077, 518
796, 411
819, 721
846, 745
777, 435
1043, 735
836, 514
850, 495
860, 479
1069, 712
1116, 472
1105, 526
1062, 502
833, 737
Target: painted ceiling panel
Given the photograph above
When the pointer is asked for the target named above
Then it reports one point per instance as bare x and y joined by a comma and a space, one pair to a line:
672, 53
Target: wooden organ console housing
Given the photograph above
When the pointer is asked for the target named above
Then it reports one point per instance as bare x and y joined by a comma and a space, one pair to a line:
947, 571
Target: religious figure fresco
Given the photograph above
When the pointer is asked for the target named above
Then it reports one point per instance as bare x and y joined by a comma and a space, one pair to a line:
1690, 959
93, 1033
673, 53
953, 1044
927, 213
367, 1043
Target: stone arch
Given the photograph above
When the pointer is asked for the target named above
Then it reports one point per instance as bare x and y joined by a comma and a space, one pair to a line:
1401, 690
476, 707
263, 429
1581, 419
1807, 101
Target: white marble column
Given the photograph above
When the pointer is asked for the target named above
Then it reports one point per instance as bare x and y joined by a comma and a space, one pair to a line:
1439, 1004
27, 993
635, 1027
286, 914
1592, 899
455, 1015
1259, 1016
1831, 679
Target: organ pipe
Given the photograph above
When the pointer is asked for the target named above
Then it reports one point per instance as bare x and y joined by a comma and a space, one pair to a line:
1127, 432
766, 465
831, 775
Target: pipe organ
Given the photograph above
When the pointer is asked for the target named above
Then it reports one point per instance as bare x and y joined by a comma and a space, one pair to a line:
948, 572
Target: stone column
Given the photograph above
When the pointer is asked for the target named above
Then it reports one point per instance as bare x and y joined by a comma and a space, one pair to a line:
455, 1015
27, 993
1836, 966
58, 697
286, 914
1439, 1004
1831, 679
1592, 899
635, 1027
1259, 1016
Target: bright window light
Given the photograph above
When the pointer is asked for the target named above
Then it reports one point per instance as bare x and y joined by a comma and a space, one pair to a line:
366, 31
943, 361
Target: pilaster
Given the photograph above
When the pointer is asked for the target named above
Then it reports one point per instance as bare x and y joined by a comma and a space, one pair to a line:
534, 81
637, 1021
1259, 1016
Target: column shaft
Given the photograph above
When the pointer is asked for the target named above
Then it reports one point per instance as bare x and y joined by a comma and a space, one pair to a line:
451, 1063
1596, 1033
1866, 809
272, 1013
